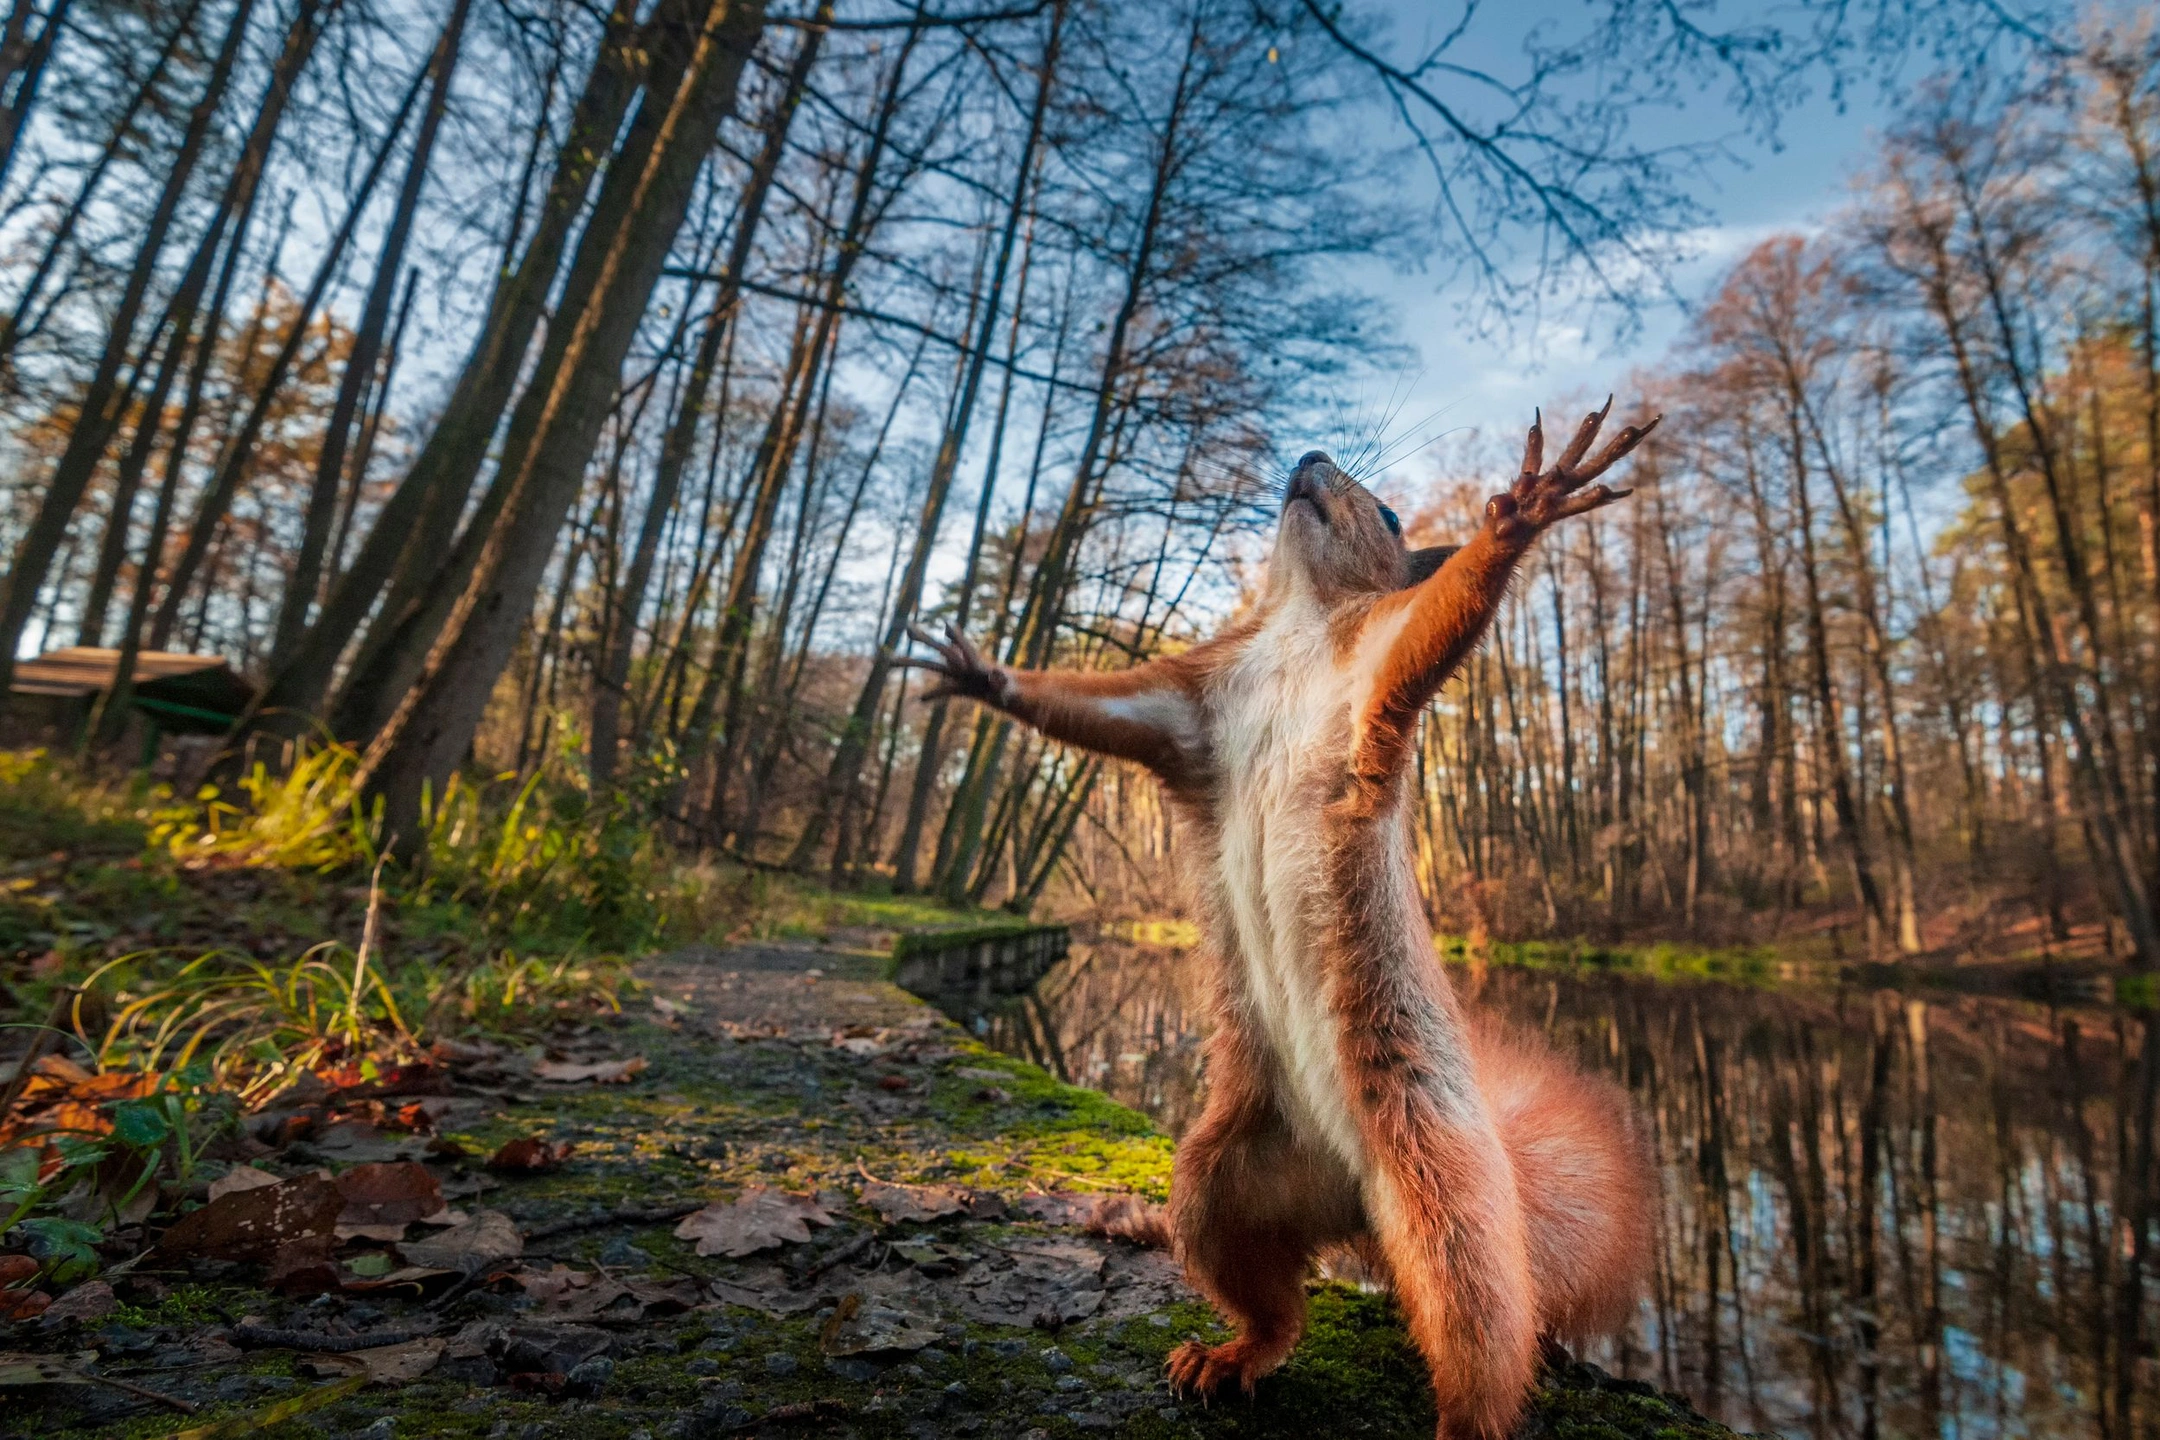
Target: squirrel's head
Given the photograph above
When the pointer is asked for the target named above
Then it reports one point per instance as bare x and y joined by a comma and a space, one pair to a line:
1337, 538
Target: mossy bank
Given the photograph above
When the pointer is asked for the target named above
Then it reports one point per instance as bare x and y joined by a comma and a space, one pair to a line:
794, 1069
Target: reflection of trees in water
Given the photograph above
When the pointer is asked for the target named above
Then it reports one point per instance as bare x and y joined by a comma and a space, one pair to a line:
1883, 1215
1127, 1020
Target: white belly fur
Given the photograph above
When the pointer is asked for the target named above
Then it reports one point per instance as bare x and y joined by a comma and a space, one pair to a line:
1281, 720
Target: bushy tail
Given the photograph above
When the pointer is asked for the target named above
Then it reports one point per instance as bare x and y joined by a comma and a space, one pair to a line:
1128, 1217
1584, 1177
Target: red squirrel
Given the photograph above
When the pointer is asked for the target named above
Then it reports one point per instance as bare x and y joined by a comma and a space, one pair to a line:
1351, 1102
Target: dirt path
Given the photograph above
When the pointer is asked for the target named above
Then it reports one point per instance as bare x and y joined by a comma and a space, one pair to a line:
905, 1208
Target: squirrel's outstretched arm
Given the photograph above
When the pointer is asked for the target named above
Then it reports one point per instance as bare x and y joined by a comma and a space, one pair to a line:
1415, 640
1146, 714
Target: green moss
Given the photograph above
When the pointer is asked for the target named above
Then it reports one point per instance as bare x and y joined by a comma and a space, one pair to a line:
1738, 964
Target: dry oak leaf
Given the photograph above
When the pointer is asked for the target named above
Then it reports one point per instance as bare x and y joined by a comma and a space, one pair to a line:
607, 1072
529, 1155
469, 1246
895, 1203
255, 1224
398, 1364
758, 1219
242, 1177
87, 1303
381, 1199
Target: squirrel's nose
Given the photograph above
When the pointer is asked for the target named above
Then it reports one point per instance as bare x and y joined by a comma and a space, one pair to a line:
1313, 457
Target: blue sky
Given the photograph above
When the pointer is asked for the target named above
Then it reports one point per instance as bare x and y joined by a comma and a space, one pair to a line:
1491, 383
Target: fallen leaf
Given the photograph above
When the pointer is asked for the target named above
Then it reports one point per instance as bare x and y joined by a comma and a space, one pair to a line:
382, 1199
304, 1267
18, 1369
895, 1203
606, 1072
242, 1177
87, 1303
548, 1349
758, 1219
358, 1141
399, 1364
14, 1269
878, 1324
1046, 1283
529, 1155
18, 1305
469, 1246
420, 1079
256, 1224
561, 1293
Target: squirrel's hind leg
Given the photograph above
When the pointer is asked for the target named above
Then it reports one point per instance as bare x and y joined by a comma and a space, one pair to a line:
1447, 1219
1249, 1208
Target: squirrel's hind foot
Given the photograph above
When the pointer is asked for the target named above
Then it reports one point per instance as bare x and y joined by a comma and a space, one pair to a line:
1199, 1369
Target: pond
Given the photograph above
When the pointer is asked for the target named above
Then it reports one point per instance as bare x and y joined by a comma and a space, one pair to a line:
1884, 1214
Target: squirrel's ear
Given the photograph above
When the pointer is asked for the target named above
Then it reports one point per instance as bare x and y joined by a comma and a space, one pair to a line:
1423, 563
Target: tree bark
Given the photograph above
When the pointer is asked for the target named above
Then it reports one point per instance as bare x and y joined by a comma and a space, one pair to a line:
612, 667
305, 583
418, 520
429, 734
240, 447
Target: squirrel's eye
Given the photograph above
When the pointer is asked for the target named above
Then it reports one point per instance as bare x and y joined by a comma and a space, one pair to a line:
1387, 518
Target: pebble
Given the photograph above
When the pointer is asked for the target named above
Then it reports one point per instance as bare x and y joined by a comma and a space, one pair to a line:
781, 1363
703, 1365
1008, 1348
1056, 1361
1070, 1383
588, 1378
1160, 1322
931, 1355
383, 1429
620, 1251
849, 1367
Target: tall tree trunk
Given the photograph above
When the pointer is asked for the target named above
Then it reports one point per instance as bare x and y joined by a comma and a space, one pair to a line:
1831, 731
103, 401
235, 206
239, 448
433, 726
305, 583
776, 451
23, 58
612, 666
12, 326
955, 439
432, 575
374, 405
841, 775
418, 520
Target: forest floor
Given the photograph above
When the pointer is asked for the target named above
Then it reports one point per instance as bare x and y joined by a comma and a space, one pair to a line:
739, 1189
904, 1206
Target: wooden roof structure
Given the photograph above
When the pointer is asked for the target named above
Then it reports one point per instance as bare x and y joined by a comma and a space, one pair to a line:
191, 694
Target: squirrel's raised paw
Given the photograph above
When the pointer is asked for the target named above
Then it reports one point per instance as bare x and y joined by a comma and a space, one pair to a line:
1198, 1369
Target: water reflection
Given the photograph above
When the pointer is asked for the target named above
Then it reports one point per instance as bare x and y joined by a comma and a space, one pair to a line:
1884, 1214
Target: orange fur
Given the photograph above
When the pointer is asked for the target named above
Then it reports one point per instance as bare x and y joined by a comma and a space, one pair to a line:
1350, 1100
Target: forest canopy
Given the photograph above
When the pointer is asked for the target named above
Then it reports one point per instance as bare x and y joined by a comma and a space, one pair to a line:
512, 386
